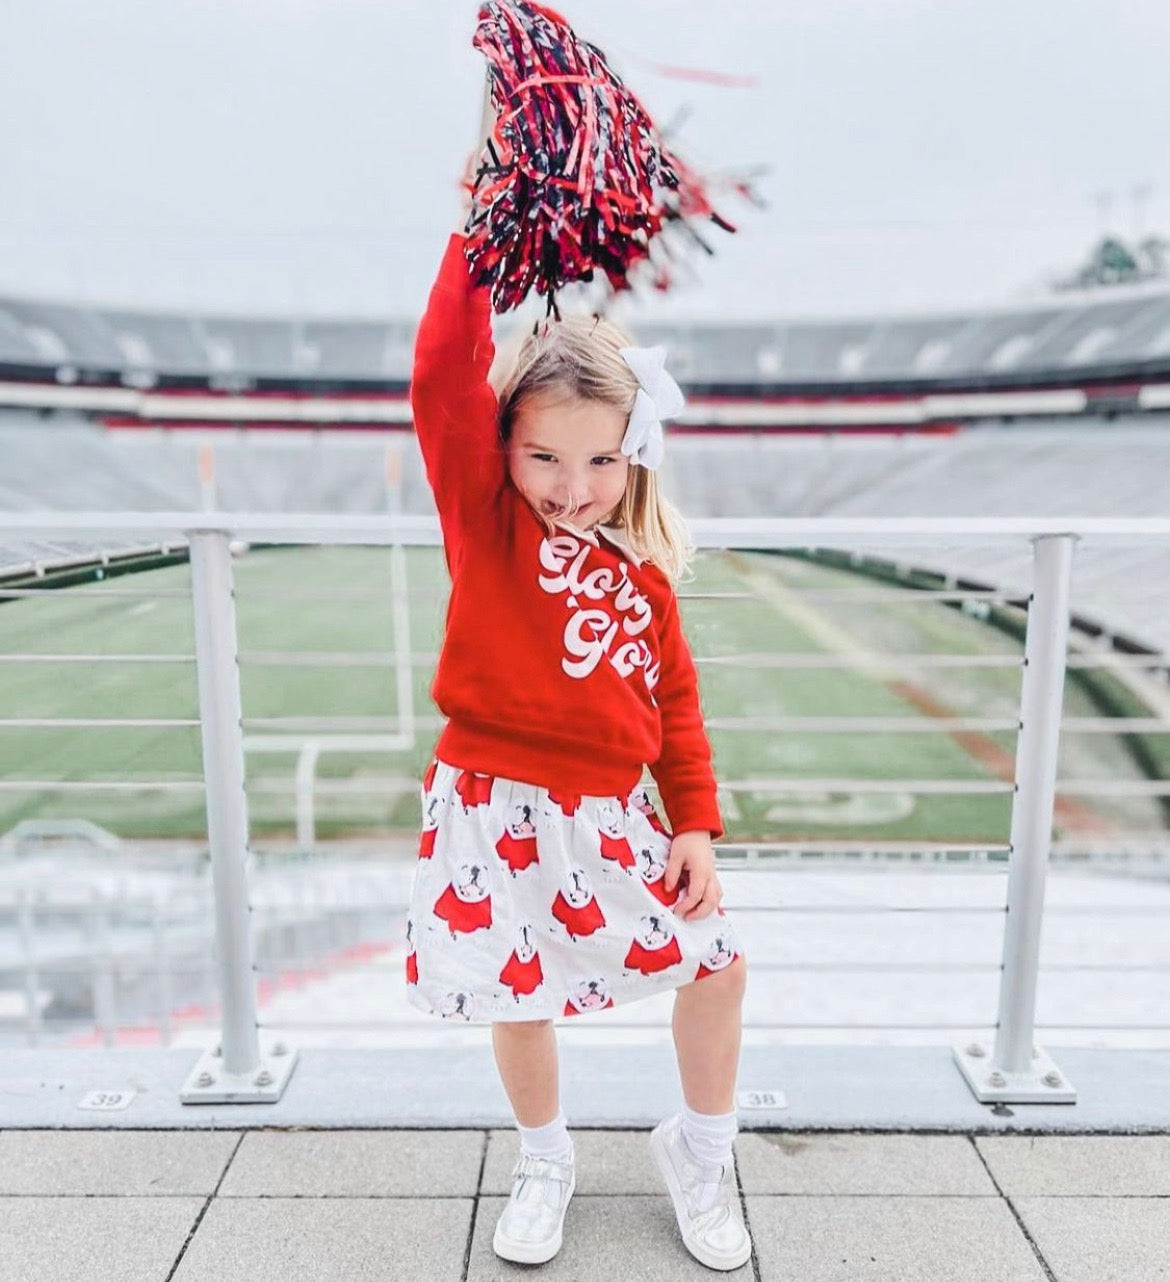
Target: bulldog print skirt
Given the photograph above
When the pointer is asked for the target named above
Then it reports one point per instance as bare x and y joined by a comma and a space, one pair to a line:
534, 905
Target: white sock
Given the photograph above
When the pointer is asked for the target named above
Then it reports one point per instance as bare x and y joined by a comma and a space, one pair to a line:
550, 1141
709, 1136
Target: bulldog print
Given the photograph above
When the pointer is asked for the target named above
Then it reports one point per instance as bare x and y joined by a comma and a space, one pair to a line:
656, 947
575, 907
466, 904
651, 864
523, 973
517, 847
457, 1006
614, 845
718, 957
588, 995
640, 800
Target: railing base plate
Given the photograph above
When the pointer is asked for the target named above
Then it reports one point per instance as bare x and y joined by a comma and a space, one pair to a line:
1043, 1083
208, 1083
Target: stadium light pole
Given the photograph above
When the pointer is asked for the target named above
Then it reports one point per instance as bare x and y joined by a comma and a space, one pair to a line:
240, 1070
1018, 1071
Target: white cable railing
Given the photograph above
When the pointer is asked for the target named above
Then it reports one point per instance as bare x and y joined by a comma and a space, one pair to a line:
253, 1063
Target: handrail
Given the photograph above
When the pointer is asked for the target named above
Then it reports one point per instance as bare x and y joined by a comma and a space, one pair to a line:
843, 532
1011, 1071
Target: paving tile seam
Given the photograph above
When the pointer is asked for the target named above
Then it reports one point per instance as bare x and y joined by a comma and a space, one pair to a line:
352, 1197
977, 1197
485, 1137
120, 1197
189, 1238
1033, 1245
828, 1130
303, 1197
1092, 1197
1089, 1197
503, 1193
884, 1197
205, 1207
495, 1194
1031, 1241
753, 1259
823, 1132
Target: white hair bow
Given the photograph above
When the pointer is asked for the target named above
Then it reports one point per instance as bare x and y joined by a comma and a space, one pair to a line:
659, 397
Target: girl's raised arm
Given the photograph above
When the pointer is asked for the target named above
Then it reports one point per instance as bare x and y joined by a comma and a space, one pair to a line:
454, 407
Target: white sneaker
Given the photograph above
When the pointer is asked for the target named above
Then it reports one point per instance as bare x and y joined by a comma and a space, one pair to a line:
712, 1230
530, 1228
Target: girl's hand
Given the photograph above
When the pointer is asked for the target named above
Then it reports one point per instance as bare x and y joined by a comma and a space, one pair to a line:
692, 862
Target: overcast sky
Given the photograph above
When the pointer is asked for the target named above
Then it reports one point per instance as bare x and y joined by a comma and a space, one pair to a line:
300, 155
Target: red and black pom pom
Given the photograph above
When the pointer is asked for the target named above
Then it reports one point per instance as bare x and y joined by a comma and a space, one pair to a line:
577, 180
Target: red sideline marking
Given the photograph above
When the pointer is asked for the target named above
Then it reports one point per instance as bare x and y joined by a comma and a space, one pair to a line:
278, 394
819, 429
123, 424
1071, 814
127, 424
1115, 389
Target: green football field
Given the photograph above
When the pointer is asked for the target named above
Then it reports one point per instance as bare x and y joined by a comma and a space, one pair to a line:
308, 603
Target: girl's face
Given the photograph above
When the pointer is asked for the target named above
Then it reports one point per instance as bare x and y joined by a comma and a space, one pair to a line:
565, 457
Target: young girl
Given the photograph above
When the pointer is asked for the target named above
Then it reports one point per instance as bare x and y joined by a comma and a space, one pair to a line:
547, 885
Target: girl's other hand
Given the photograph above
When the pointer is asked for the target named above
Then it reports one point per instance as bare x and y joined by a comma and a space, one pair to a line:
692, 861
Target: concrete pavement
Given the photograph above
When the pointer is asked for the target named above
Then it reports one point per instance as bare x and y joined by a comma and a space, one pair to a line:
118, 1205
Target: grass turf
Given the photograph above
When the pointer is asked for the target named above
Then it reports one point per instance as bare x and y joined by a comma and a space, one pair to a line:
309, 600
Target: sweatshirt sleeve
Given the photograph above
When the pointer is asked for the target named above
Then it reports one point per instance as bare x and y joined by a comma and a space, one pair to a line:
683, 771
454, 407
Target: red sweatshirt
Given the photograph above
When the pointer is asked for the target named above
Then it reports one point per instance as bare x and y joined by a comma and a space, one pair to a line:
564, 663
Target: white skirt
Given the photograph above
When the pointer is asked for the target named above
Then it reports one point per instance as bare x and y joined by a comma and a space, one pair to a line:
533, 905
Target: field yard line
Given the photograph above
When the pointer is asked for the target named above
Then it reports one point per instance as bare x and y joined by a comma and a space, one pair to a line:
1071, 815
788, 604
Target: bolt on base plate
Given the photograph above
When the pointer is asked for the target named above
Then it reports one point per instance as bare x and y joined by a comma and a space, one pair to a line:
209, 1083
1042, 1083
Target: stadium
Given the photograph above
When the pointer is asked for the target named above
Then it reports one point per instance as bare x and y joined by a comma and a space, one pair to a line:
930, 611
1052, 410
862, 701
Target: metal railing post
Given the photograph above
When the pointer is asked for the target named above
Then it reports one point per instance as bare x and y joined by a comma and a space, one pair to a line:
27, 933
159, 921
306, 781
1018, 1071
104, 982
239, 1070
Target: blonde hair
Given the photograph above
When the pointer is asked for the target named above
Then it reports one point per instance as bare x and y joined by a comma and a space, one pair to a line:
580, 357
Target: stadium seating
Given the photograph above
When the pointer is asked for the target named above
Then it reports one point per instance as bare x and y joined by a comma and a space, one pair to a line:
1069, 469
1130, 324
173, 343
